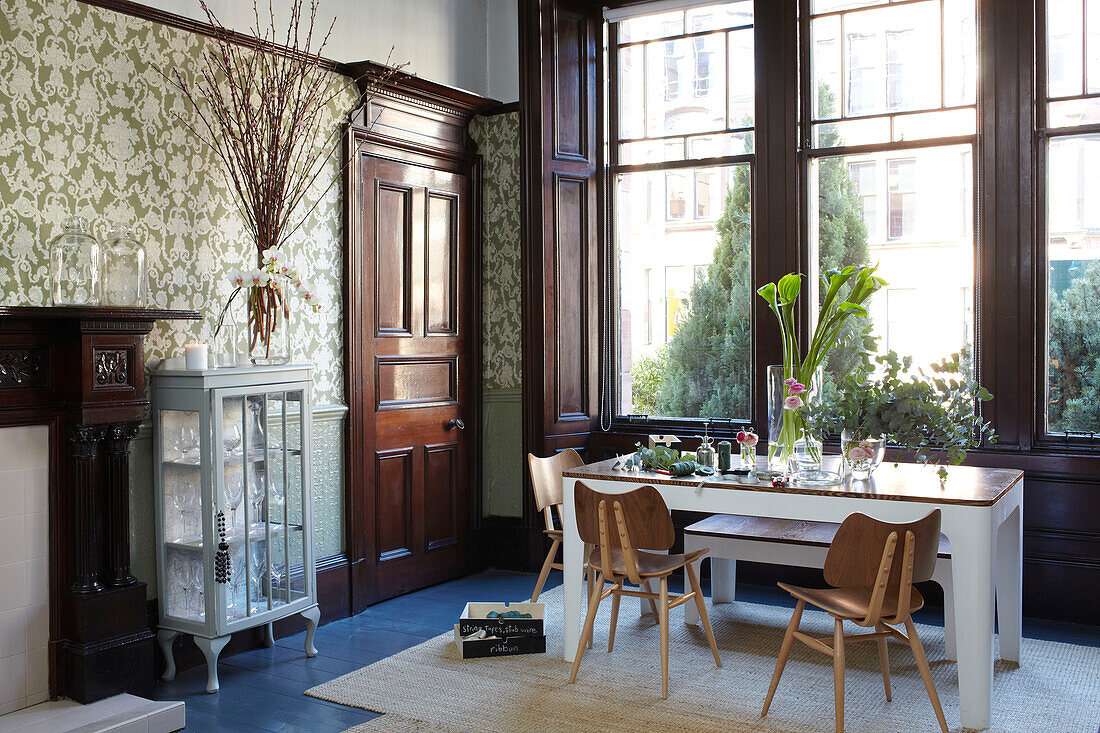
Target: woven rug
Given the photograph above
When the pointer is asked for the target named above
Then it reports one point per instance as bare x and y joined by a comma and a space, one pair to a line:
429, 688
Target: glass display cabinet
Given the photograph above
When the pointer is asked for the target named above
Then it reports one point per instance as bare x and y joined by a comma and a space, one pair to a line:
233, 478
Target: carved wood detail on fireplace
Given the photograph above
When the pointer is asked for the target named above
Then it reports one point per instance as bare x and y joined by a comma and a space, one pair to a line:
73, 369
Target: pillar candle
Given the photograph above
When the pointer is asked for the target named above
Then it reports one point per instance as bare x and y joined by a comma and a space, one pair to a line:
194, 356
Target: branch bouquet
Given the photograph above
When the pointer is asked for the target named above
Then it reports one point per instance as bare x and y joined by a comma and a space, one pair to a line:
262, 112
844, 294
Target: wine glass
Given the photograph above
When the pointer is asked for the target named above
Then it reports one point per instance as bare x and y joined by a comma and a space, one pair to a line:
231, 439
278, 574
189, 516
234, 494
198, 596
277, 500
256, 492
235, 606
258, 567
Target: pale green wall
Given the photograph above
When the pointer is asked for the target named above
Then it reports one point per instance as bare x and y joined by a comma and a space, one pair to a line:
88, 127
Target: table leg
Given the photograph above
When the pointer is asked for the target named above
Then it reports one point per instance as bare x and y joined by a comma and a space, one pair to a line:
1009, 567
723, 579
573, 574
972, 578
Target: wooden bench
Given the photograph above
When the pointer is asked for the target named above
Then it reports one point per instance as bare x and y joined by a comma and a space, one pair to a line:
733, 537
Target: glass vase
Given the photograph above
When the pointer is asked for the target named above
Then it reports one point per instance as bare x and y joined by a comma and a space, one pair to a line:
74, 265
783, 425
861, 457
124, 278
268, 326
748, 457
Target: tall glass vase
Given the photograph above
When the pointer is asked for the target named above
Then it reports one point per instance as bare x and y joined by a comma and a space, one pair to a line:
268, 326
792, 448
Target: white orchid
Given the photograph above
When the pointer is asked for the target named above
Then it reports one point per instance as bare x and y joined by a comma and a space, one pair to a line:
237, 278
259, 279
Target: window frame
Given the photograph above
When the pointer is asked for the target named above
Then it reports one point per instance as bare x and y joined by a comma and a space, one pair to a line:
1044, 135
611, 167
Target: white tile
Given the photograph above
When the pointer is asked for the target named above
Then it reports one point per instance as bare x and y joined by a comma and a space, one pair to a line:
37, 446
169, 719
13, 592
13, 632
13, 545
37, 625
37, 581
7, 709
12, 443
13, 678
11, 491
38, 675
36, 532
36, 490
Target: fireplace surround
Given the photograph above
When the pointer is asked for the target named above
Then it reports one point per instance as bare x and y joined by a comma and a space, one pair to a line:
80, 372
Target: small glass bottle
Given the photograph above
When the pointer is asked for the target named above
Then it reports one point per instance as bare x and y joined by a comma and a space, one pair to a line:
74, 265
125, 282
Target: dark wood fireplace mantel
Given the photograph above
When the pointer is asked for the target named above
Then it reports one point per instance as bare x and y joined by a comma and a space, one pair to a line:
80, 372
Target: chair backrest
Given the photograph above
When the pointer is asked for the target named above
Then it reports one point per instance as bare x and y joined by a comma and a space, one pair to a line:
638, 519
888, 557
546, 479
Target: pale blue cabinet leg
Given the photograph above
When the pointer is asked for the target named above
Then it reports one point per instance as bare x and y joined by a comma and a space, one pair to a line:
165, 637
211, 648
312, 616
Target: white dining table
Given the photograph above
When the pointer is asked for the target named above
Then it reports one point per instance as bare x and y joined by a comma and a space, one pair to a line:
982, 516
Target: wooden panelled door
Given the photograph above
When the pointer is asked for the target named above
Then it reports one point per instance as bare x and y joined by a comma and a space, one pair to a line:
415, 274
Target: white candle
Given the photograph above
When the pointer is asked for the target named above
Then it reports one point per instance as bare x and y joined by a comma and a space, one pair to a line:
194, 356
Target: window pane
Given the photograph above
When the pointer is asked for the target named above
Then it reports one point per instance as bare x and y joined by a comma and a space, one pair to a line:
742, 81
631, 91
684, 341
1073, 284
924, 248
686, 86
1065, 75
1092, 55
649, 27
716, 17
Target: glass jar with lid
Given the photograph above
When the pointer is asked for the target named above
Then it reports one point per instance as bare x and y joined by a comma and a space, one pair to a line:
124, 278
74, 265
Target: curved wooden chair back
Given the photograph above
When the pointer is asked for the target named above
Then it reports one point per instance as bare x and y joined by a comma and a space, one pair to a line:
635, 520
885, 557
546, 479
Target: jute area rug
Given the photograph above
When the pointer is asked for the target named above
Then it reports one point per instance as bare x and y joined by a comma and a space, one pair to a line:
429, 688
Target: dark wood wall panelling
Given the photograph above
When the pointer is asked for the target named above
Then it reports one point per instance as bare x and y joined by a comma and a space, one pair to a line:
559, 116
1062, 495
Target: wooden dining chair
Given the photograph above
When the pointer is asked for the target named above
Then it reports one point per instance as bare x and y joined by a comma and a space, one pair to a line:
619, 525
546, 481
872, 586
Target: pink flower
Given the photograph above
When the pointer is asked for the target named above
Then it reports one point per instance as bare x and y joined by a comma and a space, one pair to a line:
796, 388
790, 381
793, 402
751, 439
860, 453
741, 435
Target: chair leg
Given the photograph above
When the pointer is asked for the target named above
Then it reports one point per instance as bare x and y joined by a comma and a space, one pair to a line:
884, 660
925, 673
590, 578
614, 619
701, 604
589, 620
784, 652
545, 572
652, 603
663, 618
838, 672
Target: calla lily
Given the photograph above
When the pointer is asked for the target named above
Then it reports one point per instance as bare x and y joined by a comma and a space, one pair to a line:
793, 403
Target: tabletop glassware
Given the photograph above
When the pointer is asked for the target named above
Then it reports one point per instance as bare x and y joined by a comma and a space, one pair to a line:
231, 439
234, 494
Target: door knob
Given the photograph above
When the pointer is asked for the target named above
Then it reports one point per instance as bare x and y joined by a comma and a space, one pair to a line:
456, 422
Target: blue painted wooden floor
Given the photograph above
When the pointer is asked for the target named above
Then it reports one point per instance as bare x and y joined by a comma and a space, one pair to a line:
262, 690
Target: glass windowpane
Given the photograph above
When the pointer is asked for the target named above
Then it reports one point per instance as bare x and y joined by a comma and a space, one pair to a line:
684, 339
1065, 75
1073, 284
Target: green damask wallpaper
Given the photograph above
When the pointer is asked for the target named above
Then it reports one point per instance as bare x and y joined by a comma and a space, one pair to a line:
88, 128
497, 139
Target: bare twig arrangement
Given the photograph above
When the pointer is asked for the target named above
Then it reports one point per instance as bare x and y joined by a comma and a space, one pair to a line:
261, 111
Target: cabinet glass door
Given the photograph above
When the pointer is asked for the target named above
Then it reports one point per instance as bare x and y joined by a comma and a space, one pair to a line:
181, 509
263, 498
